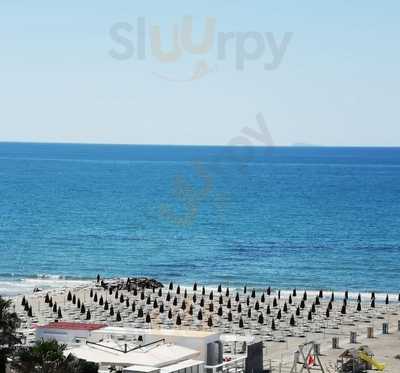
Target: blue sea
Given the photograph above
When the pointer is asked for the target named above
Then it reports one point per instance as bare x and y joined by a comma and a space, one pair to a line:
305, 217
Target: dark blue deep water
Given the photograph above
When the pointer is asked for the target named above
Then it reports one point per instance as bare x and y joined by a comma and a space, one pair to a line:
305, 217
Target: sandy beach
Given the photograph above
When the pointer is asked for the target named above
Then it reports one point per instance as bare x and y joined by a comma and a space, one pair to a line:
283, 320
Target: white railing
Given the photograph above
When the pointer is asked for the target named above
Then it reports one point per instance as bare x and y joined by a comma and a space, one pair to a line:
235, 365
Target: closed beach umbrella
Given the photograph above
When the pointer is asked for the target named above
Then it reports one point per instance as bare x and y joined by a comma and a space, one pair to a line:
118, 318
359, 306
305, 296
88, 315
191, 310
387, 299
221, 300
275, 303
69, 297
285, 308
168, 298
330, 306
47, 298
148, 300
133, 307
239, 308
202, 302
74, 299
121, 299
135, 292
209, 322
220, 312
116, 294
148, 318
292, 321
346, 295
313, 308
227, 292
140, 312
359, 298
30, 312
211, 296
195, 286
219, 288
268, 310
248, 301
211, 307
279, 294
110, 291
161, 309
230, 317
194, 298
170, 314
55, 307
95, 297
142, 295
91, 293
294, 292
127, 302
105, 306
298, 311
160, 292
262, 298
260, 319
111, 310
78, 303
309, 317
273, 327
237, 298
178, 320
290, 299
171, 286
98, 278
59, 313
178, 290
23, 301
269, 291
185, 294
343, 310
249, 313
175, 302
317, 302
245, 289
302, 304
200, 315
155, 304
279, 315
253, 293
321, 294
83, 309
229, 304
257, 306
332, 297
203, 291
183, 306
241, 324
327, 312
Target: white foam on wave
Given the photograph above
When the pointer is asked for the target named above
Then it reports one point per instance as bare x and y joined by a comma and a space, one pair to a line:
25, 286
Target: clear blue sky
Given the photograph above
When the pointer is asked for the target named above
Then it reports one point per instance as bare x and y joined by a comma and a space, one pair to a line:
337, 84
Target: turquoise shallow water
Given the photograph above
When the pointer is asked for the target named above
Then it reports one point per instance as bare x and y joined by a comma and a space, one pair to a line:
285, 217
